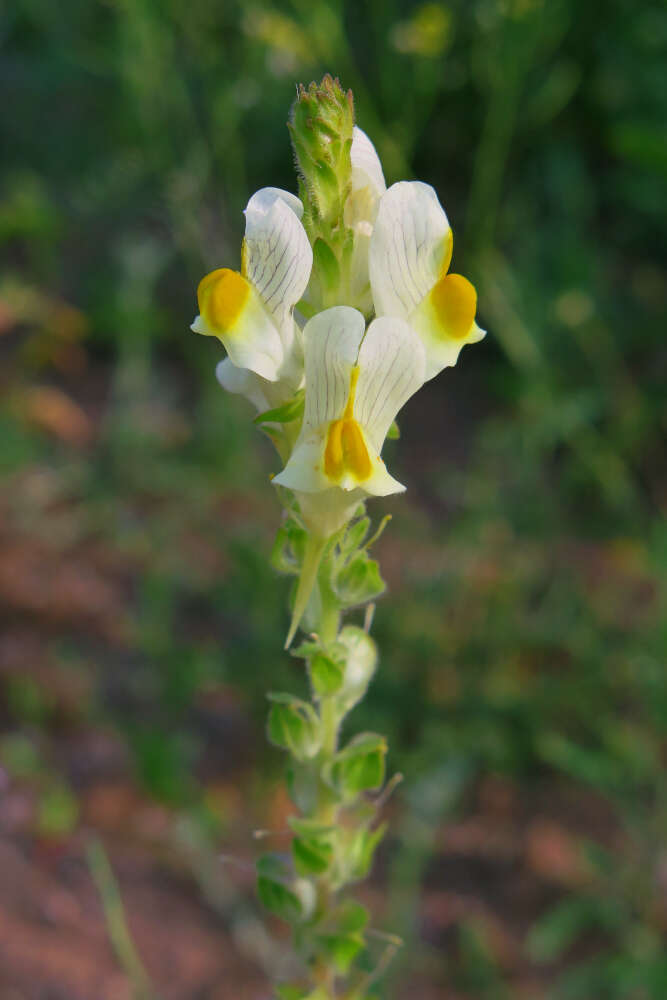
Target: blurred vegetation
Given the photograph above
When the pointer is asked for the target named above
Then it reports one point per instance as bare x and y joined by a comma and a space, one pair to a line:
525, 632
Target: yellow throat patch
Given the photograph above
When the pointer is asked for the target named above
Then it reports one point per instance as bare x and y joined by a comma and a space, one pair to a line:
454, 301
346, 451
222, 295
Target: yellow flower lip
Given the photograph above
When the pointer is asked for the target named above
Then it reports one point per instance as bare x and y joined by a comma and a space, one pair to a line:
345, 451
222, 296
454, 301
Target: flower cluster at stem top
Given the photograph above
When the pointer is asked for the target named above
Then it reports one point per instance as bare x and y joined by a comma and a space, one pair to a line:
337, 316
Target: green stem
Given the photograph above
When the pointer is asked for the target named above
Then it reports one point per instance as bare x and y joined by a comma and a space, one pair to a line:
329, 623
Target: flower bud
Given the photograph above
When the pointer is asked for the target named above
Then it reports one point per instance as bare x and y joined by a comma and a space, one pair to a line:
321, 125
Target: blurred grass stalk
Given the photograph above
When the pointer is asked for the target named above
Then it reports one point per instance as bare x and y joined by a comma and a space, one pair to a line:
114, 914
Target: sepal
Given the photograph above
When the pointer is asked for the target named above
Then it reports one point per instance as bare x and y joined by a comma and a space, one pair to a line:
326, 674
274, 889
294, 726
312, 853
360, 766
343, 944
289, 547
360, 852
359, 580
291, 410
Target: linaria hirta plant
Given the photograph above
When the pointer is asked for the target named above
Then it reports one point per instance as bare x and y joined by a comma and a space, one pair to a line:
343, 307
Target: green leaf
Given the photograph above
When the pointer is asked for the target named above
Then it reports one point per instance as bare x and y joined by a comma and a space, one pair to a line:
312, 855
326, 675
342, 949
278, 899
306, 650
359, 581
351, 916
303, 786
289, 547
347, 940
294, 726
360, 851
291, 410
361, 765
355, 534
394, 433
308, 827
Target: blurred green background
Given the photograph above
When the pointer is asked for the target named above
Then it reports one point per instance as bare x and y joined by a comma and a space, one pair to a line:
522, 683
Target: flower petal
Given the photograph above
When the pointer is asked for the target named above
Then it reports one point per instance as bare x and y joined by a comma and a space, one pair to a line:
366, 166
331, 346
263, 199
410, 249
391, 369
277, 257
304, 471
230, 309
445, 321
242, 382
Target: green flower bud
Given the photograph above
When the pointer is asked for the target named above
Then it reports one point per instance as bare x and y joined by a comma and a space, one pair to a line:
320, 125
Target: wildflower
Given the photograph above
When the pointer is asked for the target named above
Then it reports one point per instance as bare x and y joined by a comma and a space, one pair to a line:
409, 256
355, 385
251, 311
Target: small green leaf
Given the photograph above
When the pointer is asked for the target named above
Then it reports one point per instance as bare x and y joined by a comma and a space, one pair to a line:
342, 949
359, 581
361, 765
360, 851
308, 827
394, 432
289, 547
306, 650
355, 534
303, 786
278, 899
294, 726
351, 916
291, 410
326, 675
346, 939
312, 855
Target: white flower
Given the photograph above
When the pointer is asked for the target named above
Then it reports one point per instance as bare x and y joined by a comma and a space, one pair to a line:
251, 311
409, 256
355, 385
361, 208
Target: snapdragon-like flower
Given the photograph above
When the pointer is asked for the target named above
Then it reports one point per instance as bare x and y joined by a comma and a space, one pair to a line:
251, 310
356, 382
409, 257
